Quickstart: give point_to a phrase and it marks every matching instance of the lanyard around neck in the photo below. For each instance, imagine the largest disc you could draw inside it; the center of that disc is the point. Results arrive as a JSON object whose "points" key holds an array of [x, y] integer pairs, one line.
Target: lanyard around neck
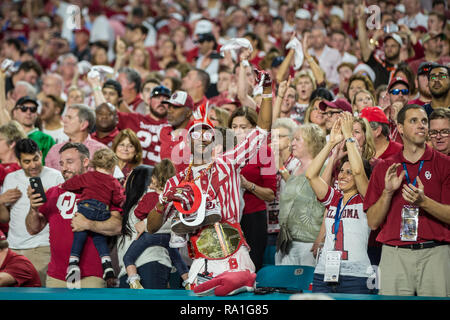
{"points": [[338, 215], [407, 175]]}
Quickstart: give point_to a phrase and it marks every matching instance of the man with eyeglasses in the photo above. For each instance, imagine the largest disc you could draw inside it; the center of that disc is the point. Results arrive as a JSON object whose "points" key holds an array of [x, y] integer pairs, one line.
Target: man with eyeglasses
{"points": [[25, 113], [440, 129], [332, 109], [216, 178], [439, 84], [422, 84]]}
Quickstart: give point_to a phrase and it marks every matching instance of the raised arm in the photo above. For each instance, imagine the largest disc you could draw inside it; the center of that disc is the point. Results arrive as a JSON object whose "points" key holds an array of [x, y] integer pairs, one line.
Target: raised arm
{"points": [[242, 84], [283, 70], [354, 157], [265, 112], [4, 114], [366, 49], [282, 88], [319, 185], [317, 71]]}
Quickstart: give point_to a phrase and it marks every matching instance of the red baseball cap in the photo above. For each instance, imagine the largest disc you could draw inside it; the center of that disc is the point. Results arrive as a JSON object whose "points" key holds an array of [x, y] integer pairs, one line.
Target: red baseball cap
{"points": [[374, 114], [342, 104], [398, 80], [181, 99], [2, 236]]}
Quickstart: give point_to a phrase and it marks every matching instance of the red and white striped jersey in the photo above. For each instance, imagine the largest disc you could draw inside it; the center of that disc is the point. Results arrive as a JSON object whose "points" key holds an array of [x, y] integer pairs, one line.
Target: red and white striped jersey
{"points": [[223, 181]]}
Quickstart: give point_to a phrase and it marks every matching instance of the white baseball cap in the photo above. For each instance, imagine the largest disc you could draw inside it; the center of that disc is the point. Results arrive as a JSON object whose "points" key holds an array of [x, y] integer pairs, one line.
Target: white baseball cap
{"points": [[181, 99], [400, 8], [336, 11], [394, 36], [203, 26], [303, 14]]}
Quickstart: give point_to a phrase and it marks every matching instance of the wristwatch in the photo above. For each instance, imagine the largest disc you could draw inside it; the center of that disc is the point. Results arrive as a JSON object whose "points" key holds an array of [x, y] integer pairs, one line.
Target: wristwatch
{"points": [[351, 139]]}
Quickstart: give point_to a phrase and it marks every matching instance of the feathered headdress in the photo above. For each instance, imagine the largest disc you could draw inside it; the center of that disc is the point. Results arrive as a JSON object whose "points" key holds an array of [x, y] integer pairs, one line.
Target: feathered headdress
{"points": [[201, 117]]}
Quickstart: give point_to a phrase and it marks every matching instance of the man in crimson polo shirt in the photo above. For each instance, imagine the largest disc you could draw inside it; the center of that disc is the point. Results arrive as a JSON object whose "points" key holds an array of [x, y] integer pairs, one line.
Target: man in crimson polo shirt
{"points": [[148, 127], [380, 128], [174, 145], [59, 211], [418, 265], [15, 269]]}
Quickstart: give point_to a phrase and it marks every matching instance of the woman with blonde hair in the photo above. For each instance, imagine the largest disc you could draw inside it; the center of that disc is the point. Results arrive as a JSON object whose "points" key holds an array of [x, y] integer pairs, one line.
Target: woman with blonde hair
{"points": [[362, 98], [305, 84], [300, 215], [218, 116], [140, 61], [313, 114]]}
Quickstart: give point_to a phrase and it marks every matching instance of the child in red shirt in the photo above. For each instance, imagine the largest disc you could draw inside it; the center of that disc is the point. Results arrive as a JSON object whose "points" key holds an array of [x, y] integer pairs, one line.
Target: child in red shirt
{"points": [[100, 193], [161, 173]]}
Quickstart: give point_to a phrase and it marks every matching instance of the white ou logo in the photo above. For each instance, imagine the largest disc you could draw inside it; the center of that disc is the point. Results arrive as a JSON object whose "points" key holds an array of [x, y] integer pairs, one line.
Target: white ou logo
{"points": [[65, 204], [428, 175]]}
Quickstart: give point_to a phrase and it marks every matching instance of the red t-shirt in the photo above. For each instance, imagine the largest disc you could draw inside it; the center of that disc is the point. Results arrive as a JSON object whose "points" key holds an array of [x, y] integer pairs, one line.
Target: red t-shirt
{"points": [[146, 204], [417, 101], [262, 172], [6, 168], [99, 186], [177, 149], [108, 140], [21, 269], [59, 210], [148, 131], [393, 148], [203, 100], [435, 176]]}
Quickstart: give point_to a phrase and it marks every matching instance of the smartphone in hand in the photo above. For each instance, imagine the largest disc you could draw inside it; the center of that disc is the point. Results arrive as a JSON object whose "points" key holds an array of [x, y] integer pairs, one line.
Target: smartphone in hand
{"points": [[38, 188]]}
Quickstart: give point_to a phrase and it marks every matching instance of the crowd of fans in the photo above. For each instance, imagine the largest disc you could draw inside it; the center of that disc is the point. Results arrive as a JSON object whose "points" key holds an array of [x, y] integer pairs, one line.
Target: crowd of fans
{"points": [[95, 96]]}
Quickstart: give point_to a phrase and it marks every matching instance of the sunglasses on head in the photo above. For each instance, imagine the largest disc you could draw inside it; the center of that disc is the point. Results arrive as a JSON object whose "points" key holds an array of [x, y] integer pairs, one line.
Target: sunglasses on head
{"points": [[208, 136], [25, 108], [397, 91]]}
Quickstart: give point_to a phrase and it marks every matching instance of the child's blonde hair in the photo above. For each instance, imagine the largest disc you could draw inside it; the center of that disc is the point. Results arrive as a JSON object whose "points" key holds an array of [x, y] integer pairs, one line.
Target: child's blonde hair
{"points": [[104, 159]]}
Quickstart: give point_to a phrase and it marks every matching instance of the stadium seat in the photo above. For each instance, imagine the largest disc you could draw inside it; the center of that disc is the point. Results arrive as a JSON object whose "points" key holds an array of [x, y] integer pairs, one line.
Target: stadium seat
{"points": [[292, 277]]}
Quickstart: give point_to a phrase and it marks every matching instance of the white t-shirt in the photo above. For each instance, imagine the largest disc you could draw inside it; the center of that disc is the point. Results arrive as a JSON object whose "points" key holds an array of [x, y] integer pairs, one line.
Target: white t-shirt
{"points": [[18, 236], [352, 236], [57, 134]]}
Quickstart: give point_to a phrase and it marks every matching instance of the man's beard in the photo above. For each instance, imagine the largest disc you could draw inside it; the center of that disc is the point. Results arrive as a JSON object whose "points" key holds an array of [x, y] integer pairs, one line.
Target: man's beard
{"points": [[159, 115], [424, 93], [439, 95], [393, 57]]}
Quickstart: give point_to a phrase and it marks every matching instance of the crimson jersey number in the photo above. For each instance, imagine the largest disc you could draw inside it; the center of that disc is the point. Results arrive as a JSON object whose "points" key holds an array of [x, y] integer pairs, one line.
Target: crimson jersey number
{"points": [[339, 243]]}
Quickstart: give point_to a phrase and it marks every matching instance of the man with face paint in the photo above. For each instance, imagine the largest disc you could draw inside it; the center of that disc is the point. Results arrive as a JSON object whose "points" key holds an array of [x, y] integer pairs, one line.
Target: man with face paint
{"points": [[216, 243]]}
